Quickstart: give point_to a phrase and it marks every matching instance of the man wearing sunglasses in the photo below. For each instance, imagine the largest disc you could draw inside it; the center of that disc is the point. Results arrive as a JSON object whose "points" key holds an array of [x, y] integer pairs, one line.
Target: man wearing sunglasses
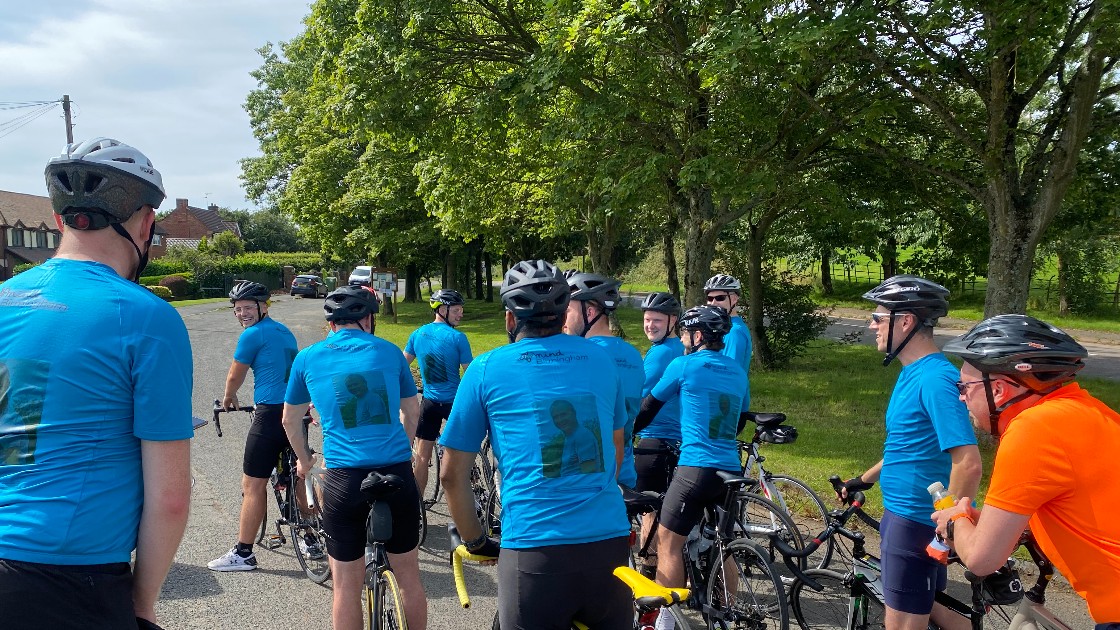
{"points": [[723, 291], [1055, 468], [929, 438]]}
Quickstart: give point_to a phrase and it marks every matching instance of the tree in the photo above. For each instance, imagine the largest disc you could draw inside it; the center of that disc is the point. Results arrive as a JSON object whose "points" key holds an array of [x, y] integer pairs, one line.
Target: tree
{"points": [[227, 244]]}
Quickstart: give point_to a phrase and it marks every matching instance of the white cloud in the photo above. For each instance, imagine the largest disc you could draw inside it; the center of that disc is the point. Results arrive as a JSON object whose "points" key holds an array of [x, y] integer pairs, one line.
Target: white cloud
{"points": [[167, 77]]}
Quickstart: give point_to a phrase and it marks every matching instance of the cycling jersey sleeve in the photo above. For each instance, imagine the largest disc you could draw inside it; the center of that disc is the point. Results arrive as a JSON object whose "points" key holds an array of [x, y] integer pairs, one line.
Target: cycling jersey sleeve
{"points": [[297, 393], [670, 383], [163, 377], [949, 415], [248, 345], [467, 424], [407, 383], [465, 356], [621, 416], [410, 345], [653, 369]]}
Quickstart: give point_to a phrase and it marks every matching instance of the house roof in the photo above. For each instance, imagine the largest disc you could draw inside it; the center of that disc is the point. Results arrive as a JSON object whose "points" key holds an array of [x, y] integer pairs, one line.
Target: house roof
{"points": [[31, 254], [32, 211], [191, 243]]}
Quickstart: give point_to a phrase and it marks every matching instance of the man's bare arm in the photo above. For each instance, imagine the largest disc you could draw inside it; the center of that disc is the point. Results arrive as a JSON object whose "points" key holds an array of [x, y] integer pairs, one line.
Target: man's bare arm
{"points": [[166, 469], [967, 469], [410, 415], [234, 380]]}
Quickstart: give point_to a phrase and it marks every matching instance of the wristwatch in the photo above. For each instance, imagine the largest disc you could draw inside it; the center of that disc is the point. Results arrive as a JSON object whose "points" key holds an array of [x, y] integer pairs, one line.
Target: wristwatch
{"points": [[950, 527]]}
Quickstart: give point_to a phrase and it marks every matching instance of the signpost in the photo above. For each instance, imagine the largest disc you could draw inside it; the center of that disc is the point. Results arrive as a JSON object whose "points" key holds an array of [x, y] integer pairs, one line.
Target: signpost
{"points": [[384, 282]]}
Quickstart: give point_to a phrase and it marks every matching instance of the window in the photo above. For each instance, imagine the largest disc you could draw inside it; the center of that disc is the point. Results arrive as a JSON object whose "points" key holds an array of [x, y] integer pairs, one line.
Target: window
{"points": [[52, 240], [15, 237], [29, 238], [40, 238], [157, 239]]}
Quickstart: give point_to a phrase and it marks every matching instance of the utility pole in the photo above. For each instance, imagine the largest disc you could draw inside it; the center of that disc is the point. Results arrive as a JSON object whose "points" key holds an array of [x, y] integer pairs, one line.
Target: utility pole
{"points": [[69, 124]]}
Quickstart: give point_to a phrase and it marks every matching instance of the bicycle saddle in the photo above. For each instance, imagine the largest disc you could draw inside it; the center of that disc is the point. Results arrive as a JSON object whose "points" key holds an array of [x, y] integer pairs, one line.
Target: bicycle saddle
{"points": [[378, 486], [732, 480], [765, 420], [640, 502]]}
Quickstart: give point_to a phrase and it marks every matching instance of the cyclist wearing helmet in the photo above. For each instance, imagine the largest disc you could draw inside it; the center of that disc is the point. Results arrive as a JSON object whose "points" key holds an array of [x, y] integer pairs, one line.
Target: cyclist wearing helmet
{"points": [[1055, 469], [929, 438], [564, 527], [268, 348], [594, 297], [710, 386], [442, 351], [723, 290], [94, 436], [366, 399]]}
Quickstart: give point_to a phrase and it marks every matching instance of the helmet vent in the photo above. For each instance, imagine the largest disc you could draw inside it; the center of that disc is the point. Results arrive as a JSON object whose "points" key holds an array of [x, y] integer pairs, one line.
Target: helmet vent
{"points": [[124, 159], [64, 179], [92, 182]]}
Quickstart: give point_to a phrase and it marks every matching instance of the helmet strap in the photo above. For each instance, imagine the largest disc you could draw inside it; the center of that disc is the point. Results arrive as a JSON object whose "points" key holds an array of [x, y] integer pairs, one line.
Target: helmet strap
{"points": [[891, 354], [994, 411], [142, 258], [512, 334], [588, 324]]}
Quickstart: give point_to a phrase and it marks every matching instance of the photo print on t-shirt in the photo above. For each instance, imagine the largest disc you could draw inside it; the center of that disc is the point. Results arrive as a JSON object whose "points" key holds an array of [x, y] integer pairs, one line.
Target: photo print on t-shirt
{"points": [[362, 399], [570, 436], [435, 368], [723, 414], [23, 384]]}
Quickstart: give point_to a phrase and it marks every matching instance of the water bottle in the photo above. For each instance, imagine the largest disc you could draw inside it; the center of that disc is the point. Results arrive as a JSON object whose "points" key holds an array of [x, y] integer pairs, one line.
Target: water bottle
{"points": [[942, 498]]}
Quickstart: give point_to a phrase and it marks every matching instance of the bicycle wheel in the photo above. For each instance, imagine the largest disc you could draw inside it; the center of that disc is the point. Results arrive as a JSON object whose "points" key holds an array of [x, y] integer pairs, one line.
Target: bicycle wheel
{"points": [[743, 591], [493, 517], [423, 524], [833, 607], [384, 606], [307, 535], [807, 511], [434, 492], [759, 518]]}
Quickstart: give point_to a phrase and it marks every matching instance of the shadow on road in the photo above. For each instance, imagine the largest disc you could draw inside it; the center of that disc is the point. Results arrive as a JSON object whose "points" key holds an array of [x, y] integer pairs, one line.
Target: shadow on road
{"points": [[186, 581]]}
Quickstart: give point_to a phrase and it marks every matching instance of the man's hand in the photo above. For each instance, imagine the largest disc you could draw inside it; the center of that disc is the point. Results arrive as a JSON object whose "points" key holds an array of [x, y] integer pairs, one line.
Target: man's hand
{"points": [[229, 402], [488, 548], [853, 485], [942, 517]]}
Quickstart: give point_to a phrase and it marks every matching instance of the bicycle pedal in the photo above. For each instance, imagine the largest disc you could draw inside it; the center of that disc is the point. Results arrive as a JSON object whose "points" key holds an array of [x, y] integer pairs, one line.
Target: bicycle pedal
{"points": [[275, 542]]}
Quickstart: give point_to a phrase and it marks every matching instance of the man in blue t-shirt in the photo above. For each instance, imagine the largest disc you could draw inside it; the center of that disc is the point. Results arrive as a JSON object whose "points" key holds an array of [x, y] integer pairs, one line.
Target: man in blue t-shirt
{"points": [[555, 412], [723, 291], [929, 438], [594, 298], [267, 347], [709, 385], [442, 352], [360, 385], [95, 408]]}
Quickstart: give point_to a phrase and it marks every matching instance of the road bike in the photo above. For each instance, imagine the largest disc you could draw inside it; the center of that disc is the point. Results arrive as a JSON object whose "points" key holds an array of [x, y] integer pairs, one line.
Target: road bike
{"points": [[382, 595], [853, 600], [297, 503], [805, 508]]}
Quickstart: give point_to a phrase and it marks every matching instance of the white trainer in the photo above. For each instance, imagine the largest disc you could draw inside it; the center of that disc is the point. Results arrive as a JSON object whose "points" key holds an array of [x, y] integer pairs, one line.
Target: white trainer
{"points": [[231, 561]]}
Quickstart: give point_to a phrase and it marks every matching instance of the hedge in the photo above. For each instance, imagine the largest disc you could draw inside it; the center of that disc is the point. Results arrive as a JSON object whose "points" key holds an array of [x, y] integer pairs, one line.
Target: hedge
{"points": [[162, 292]]}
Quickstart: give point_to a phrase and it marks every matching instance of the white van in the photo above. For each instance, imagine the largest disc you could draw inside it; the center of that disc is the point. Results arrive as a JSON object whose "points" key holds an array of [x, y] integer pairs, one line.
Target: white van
{"points": [[361, 275]]}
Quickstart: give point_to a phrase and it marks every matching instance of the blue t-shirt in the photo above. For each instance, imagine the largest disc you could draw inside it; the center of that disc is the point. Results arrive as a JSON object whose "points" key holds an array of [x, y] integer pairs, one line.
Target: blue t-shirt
{"points": [[629, 363], [539, 398], [737, 344], [709, 385], [666, 425], [356, 381], [440, 350], [90, 365], [269, 348], [925, 418]]}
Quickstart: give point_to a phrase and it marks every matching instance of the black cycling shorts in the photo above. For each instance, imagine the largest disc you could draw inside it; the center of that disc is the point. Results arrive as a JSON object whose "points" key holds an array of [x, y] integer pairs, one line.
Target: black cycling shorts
{"points": [[432, 415], [691, 490], [653, 471], [345, 511], [265, 442], [546, 588], [80, 597]]}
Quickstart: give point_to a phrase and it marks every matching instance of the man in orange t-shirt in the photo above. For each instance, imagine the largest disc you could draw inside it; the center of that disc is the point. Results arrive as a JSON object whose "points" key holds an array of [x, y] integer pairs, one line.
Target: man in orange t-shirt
{"points": [[1056, 464]]}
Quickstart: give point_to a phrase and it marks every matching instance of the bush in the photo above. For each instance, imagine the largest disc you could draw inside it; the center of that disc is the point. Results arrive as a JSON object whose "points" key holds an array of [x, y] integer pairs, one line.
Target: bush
{"points": [[22, 267], [162, 292], [178, 285], [792, 320], [165, 266]]}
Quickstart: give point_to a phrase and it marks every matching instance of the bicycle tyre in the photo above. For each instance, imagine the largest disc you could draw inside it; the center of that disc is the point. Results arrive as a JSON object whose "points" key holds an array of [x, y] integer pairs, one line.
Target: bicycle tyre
{"points": [[308, 537], [434, 492], [384, 606], [808, 512], [760, 517], [423, 524], [831, 607], [493, 517], [759, 598]]}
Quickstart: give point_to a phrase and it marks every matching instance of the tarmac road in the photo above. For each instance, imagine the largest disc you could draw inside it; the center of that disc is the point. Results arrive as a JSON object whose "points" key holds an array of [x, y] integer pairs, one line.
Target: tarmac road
{"points": [[277, 594]]}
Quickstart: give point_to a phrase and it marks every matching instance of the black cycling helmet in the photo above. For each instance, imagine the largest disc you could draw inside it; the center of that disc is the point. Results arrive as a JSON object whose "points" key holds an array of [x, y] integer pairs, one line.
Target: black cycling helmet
{"points": [[568, 273], [101, 183], [593, 287], [723, 282], [445, 298], [1028, 351], [662, 303], [249, 290], [713, 322], [909, 294], [534, 289], [350, 304]]}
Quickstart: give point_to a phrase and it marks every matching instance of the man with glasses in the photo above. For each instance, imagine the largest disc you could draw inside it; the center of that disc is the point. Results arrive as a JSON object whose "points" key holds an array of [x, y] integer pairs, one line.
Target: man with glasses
{"points": [[1055, 469], [723, 291], [929, 438]]}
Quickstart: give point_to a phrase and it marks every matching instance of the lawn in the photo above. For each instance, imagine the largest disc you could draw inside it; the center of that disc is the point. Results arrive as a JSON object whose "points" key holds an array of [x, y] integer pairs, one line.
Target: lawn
{"points": [[835, 395]]}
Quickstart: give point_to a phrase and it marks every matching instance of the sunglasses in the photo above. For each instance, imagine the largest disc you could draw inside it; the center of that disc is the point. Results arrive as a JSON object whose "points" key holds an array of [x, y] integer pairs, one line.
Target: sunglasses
{"points": [[717, 298], [879, 317], [962, 386]]}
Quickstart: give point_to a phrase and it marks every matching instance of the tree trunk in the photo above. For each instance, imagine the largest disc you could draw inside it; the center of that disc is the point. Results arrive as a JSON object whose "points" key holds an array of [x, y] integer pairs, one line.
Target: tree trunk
{"points": [[700, 247], [756, 295], [1063, 299], [826, 271], [450, 281], [890, 257], [1014, 238], [489, 277], [478, 272], [411, 283], [669, 243]]}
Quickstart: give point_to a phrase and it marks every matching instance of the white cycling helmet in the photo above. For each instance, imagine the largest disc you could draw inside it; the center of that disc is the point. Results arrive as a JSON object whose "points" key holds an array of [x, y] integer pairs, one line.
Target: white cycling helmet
{"points": [[100, 182]]}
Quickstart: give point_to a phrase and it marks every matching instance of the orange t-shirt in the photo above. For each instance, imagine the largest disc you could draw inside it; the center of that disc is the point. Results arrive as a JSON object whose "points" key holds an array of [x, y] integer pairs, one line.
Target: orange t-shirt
{"points": [[1059, 461]]}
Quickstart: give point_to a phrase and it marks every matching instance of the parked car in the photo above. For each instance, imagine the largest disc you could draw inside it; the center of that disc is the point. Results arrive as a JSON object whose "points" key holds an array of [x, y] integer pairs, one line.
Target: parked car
{"points": [[309, 285], [361, 276]]}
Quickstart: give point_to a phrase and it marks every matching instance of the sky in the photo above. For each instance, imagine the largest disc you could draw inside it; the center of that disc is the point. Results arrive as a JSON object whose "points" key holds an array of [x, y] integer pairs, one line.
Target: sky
{"points": [[168, 77]]}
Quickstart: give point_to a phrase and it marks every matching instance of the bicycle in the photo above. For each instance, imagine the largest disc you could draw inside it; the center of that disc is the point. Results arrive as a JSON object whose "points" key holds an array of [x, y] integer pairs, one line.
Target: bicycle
{"points": [[297, 511], [793, 496], [820, 598], [484, 486], [649, 597], [382, 594]]}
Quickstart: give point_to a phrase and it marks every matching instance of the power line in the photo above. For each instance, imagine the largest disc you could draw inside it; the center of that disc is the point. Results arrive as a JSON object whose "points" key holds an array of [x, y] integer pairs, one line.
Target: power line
{"points": [[9, 127], [19, 104]]}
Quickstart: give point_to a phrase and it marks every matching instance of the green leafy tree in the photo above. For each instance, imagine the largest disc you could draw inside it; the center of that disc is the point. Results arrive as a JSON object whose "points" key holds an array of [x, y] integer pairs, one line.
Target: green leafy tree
{"points": [[227, 244]]}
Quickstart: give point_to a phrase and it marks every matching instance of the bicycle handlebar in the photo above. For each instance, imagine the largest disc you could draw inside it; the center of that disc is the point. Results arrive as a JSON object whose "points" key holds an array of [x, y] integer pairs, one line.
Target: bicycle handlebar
{"points": [[218, 409], [459, 552]]}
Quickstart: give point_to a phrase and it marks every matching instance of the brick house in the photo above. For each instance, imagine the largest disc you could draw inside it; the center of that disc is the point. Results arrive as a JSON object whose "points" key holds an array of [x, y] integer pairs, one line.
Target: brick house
{"points": [[29, 233], [186, 225]]}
